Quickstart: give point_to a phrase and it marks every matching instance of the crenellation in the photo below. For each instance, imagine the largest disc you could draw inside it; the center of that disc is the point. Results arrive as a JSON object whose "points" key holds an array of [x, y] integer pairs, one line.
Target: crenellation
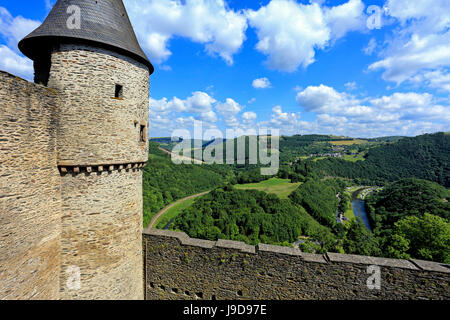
{"points": [[357, 259], [431, 266], [278, 249], [77, 169], [225, 271], [312, 257], [230, 244], [198, 243]]}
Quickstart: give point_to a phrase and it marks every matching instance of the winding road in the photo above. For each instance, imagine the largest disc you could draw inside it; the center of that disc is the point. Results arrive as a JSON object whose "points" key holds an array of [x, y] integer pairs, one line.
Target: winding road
{"points": [[164, 210], [182, 158]]}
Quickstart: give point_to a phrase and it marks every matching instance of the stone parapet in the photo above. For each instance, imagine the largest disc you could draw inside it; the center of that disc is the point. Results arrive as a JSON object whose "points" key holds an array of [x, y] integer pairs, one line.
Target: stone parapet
{"points": [[179, 267]]}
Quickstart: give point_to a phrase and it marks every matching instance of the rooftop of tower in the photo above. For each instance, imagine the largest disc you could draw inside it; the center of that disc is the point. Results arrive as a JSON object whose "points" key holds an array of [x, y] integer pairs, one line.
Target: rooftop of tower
{"points": [[104, 23]]}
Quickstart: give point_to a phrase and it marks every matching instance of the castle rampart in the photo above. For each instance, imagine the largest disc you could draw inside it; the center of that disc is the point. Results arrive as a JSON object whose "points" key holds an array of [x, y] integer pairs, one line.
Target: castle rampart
{"points": [[29, 191], [72, 153], [179, 267]]}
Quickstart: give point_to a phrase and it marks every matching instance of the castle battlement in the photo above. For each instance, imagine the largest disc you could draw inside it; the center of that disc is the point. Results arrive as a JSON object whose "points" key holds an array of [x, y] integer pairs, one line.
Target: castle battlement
{"points": [[73, 145], [179, 267]]}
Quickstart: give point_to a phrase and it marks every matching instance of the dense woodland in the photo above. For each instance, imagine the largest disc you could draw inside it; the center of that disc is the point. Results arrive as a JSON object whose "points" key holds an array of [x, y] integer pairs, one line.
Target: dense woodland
{"points": [[425, 157], [409, 216], [250, 216], [297, 145], [165, 182]]}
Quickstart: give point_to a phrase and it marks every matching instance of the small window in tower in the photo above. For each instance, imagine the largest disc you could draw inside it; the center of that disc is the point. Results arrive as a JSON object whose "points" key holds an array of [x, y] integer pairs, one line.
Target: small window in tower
{"points": [[142, 133], [119, 91]]}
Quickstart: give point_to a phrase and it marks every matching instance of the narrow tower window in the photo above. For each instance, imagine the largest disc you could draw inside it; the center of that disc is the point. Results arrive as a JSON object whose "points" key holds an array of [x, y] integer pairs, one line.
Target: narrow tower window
{"points": [[119, 91], [142, 133]]}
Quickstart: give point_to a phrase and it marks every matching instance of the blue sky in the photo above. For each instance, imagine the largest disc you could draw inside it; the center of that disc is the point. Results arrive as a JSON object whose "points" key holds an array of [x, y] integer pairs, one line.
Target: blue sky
{"points": [[297, 66]]}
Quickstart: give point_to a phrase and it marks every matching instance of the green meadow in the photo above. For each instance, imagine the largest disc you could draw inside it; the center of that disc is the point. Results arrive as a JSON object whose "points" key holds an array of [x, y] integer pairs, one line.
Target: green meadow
{"points": [[281, 187], [172, 213]]}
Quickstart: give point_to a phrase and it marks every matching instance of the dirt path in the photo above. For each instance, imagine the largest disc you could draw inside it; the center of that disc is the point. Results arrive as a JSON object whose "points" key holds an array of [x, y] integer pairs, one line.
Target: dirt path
{"points": [[160, 213], [196, 161]]}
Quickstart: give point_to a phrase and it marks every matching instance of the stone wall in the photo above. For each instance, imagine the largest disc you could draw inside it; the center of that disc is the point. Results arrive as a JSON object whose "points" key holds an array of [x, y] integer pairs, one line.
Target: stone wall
{"points": [[100, 155], [95, 127], [178, 267], [101, 150], [102, 234], [29, 191]]}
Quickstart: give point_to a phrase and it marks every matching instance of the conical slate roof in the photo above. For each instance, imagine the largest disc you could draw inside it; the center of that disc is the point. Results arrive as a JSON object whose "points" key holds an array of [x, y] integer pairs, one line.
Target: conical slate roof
{"points": [[104, 23]]}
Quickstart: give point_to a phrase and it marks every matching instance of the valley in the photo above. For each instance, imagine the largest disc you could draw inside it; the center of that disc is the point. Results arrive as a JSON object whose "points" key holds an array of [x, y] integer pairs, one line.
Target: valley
{"points": [[329, 195]]}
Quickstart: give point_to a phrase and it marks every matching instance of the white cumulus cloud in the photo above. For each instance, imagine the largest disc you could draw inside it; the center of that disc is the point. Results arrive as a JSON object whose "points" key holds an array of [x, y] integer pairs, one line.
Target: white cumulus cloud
{"points": [[12, 30], [199, 103], [280, 118], [345, 18], [249, 116], [395, 110], [209, 22], [420, 46], [229, 107], [324, 99], [289, 33], [14, 63], [261, 83]]}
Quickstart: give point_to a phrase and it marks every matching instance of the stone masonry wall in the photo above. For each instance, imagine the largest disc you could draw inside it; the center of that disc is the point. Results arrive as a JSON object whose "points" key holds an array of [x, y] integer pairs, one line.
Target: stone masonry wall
{"points": [[100, 155], [178, 267], [94, 126], [30, 217], [102, 234]]}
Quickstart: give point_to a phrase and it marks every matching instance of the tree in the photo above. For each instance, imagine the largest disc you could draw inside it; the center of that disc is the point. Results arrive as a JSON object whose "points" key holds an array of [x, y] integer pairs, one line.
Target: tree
{"points": [[251, 216], [426, 237], [359, 240]]}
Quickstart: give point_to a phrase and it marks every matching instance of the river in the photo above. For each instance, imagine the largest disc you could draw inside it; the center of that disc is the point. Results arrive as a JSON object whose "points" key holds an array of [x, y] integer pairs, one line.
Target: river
{"points": [[360, 211]]}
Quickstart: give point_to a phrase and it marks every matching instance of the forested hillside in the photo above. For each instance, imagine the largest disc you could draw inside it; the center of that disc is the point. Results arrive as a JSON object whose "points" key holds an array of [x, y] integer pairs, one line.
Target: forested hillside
{"points": [[412, 219], [250, 216], [293, 147], [425, 157], [319, 199], [407, 197], [409, 216], [165, 182]]}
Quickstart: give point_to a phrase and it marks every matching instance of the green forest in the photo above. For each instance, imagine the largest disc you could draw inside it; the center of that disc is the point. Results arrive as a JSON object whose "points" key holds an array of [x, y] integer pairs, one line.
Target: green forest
{"points": [[411, 219], [165, 182], [250, 216], [425, 157], [407, 205]]}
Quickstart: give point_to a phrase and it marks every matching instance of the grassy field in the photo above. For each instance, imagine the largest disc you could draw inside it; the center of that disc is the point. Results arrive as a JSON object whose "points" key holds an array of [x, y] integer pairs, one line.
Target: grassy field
{"points": [[348, 142], [353, 158], [318, 158], [349, 213], [281, 187], [172, 213]]}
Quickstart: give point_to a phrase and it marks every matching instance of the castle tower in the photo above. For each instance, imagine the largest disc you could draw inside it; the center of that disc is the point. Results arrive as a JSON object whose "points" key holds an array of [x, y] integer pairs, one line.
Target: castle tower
{"points": [[87, 51]]}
